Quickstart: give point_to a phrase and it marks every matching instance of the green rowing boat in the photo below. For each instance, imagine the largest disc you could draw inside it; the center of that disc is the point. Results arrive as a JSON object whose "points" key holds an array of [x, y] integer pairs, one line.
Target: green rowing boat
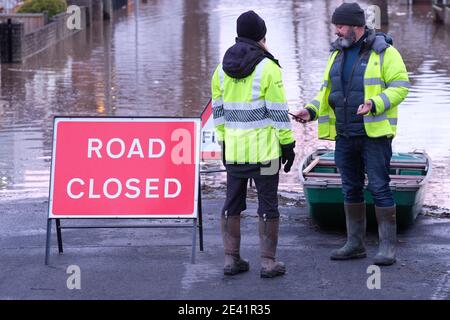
{"points": [[322, 187]]}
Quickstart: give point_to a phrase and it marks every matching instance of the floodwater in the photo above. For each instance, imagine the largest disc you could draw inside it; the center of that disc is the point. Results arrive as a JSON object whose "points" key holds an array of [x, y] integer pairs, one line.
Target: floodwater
{"points": [[159, 63]]}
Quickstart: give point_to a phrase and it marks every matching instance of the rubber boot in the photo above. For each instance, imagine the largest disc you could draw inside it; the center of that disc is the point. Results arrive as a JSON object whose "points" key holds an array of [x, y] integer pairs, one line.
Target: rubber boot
{"points": [[268, 239], [231, 233], [387, 232], [355, 218]]}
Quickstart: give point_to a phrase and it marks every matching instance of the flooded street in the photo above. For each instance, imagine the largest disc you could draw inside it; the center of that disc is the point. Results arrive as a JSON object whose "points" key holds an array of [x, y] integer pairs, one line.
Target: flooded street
{"points": [[160, 62]]}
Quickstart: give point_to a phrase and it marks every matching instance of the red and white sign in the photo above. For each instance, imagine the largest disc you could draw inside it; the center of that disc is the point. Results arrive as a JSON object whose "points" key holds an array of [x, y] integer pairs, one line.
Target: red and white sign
{"points": [[125, 167], [211, 150]]}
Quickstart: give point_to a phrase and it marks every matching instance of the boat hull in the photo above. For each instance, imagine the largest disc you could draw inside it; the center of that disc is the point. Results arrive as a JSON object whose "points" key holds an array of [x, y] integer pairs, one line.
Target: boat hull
{"points": [[325, 200]]}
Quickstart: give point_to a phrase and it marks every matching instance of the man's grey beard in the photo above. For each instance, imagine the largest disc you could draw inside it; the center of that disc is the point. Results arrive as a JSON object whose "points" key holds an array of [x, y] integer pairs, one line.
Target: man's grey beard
{"points": [[347, 42]]}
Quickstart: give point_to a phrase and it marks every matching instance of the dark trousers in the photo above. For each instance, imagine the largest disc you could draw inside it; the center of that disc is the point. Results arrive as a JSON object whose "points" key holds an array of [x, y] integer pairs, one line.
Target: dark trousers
{"points": [[355, 156], [267, 188]]}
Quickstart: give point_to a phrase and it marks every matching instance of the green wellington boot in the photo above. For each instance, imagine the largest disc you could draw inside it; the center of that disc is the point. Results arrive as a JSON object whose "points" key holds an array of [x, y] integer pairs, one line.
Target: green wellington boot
{"points": [[355, 218], [387, 232]]}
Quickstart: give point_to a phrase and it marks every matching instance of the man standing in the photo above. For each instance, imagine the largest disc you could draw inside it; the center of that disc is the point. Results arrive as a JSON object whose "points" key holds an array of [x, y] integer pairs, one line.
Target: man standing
{"points": [[364, 82], [252, 124]]}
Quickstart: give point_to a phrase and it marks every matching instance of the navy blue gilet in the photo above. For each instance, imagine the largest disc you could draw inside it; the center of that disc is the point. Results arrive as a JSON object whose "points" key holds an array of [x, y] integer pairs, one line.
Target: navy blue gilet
{"points": [[347, 88]]}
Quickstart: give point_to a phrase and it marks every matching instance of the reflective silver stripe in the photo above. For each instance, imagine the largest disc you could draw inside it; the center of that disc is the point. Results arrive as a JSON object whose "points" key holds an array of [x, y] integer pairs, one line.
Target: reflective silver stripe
{"points": [[324, 119], [254, 111], [399, 83], [246, 115], [324, 85], [221, 77], [218, 112], [276, 105], [279, 116], [315, 103], [255, 105], [282, 125], [217, 109], [217, 103], [256, 85], [256, 124], [382, 117], [387, 103], [374, 82], [244, 105], [219, 121], [370, 118], [278, 112], [248, 125]]}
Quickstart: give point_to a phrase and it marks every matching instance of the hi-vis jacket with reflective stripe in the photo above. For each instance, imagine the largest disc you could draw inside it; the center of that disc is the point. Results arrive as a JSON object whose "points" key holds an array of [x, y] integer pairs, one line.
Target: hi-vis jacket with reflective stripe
{"points": [[385, 82], [251, 114]]}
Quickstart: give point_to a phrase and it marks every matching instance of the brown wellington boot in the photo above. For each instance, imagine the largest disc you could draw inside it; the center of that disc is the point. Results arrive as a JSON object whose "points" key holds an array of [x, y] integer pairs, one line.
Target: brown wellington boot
{"points": [[231, 233], [355, 218], [268, 238], [387, 233]]}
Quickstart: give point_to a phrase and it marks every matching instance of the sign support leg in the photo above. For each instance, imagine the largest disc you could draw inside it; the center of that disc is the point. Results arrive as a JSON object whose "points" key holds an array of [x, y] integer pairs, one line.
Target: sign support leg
{"points": [[47, 245], [194, 240], [200, 216], [59, 236]]}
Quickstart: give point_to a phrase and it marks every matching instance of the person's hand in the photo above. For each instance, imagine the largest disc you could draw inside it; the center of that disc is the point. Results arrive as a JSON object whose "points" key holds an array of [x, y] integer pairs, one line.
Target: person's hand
{"points": [[301, 115], [287, 156], [365, 108]]}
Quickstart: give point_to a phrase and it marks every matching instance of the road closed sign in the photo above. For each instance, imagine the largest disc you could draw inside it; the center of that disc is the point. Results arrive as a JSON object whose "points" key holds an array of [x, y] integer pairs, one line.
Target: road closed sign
{"points": [[125, 167]]}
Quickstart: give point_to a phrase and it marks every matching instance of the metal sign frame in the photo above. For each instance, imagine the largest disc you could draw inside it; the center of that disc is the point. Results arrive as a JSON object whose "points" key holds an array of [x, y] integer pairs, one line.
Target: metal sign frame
{"points": [[196, 217]]}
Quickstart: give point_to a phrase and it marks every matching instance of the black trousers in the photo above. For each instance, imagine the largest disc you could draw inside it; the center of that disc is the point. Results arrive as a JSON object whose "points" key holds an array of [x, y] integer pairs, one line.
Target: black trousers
{"points": [[267, 189]]}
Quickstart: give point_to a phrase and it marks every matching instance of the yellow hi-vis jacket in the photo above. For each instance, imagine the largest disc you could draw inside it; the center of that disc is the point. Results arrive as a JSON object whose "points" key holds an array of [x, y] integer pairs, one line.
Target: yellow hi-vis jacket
{"points": [[251, 114], [385, 82]]}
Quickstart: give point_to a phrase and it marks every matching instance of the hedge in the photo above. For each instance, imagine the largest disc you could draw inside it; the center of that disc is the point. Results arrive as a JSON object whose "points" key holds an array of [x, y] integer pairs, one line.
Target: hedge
{"points": [[53, 7]]}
